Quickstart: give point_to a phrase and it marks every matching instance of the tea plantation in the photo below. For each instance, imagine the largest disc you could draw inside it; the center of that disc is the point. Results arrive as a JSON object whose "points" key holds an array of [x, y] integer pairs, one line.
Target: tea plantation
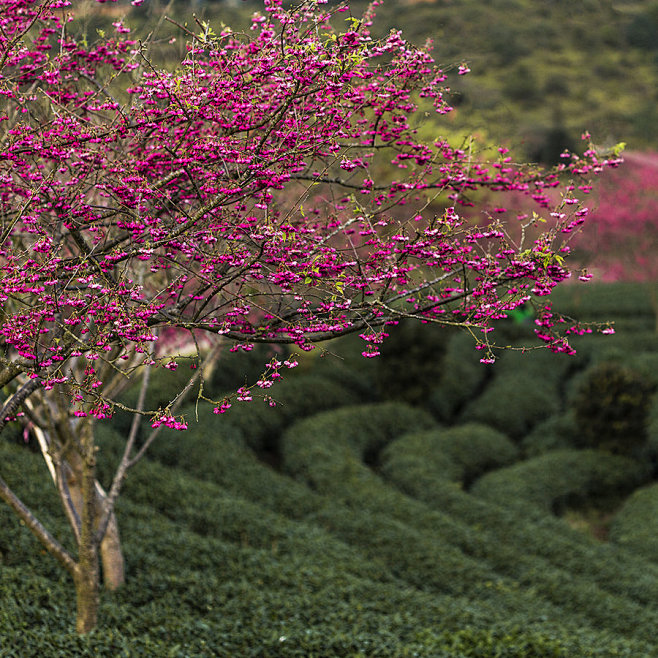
{"points": [[420, 504]]}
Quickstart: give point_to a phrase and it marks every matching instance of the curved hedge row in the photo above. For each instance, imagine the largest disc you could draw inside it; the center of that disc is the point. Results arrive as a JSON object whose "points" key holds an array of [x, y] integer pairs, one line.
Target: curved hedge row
{"points": [[634, 525], [323, 453], [516, 545], [513, 404], [555, 479], [460, 453]]}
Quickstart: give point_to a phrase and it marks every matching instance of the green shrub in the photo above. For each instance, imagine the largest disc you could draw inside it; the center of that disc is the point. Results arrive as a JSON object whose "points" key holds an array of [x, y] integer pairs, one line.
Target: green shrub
{"points": [[554, 433], [407, 368], [563, 477], [525, 389], [627, 346], [634, 525], [216, 452], [411, 358], [644, 363], [652, 432], [460, 453], [611, 408], [513, 404], [297, 396], [461, 377], [363, 429], [642, 31], [547, 367]]}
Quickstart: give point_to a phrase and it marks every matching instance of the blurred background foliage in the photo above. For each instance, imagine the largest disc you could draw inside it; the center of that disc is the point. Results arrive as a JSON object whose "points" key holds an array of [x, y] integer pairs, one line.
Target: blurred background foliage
{"points": [[542, 71]]}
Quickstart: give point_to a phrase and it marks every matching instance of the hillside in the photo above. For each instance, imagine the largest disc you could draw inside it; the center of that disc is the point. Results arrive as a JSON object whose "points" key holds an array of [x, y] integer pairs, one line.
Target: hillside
{"points": [[542, 72], [443, 508]]}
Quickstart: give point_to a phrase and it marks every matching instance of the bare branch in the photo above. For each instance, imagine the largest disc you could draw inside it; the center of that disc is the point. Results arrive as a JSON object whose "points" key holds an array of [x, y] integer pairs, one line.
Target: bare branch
{"points": [[37, 528], [11, 406]]}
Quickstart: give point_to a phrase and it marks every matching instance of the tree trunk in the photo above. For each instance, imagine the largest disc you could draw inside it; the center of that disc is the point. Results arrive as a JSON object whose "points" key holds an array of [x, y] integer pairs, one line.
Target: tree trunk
{"points": [[72, 470], [87, 588], [112, 556], [110, 548], [87, 576]]}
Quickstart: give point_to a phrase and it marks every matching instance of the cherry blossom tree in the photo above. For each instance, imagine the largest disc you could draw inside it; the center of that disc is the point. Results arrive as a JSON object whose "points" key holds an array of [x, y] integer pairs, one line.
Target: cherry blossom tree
{"points": [[232, 196]]}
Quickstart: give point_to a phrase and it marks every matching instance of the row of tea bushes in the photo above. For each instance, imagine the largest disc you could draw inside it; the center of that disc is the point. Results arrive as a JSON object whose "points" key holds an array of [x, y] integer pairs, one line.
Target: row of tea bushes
{"points": [[516, 542], [634, 525], [211, 574], [560, 477], [326, 452], [460, 453]]}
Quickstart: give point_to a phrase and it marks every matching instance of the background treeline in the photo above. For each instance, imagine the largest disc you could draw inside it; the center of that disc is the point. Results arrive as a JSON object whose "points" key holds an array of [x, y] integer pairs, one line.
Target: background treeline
{"points": [[542, 72], [420, 504]]}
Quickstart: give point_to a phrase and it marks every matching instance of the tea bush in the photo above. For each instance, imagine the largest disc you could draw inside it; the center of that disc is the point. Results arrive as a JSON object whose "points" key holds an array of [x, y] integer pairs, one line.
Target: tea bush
{"points": [[611, 408], [634, 525], [460, 453], [556, 478], [556, 432], [462, 376], [513, 404], [411, 359]]}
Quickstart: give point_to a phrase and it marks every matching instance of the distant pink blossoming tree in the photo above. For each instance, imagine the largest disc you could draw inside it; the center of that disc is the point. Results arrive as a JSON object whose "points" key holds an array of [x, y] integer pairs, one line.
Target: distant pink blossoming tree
{"points": [[232, 196], [621, 237]]}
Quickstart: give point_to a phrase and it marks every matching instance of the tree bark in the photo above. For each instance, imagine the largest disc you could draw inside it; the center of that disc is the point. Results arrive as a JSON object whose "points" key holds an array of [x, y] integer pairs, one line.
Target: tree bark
{"points": [[87, 576], [111, 554], [87, 588], [70, 489]]}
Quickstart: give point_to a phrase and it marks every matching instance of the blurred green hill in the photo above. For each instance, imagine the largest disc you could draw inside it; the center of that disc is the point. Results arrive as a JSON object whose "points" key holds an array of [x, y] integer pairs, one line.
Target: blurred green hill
{"points": [[542, 71]]}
